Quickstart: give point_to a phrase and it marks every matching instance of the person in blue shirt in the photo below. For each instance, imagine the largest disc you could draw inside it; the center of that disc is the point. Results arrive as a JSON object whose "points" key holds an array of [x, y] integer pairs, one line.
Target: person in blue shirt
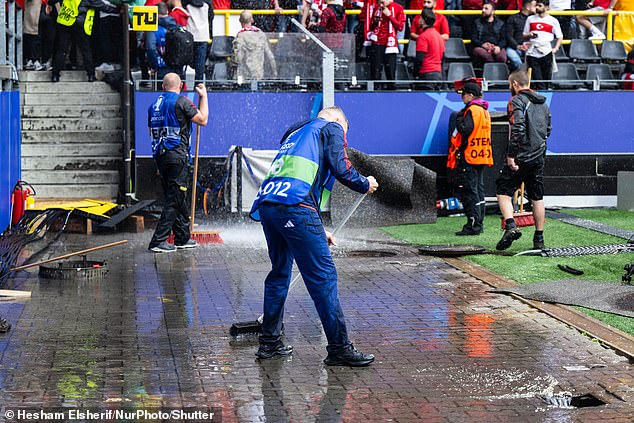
{"points": [[170, 120], [311, 156], [155, 43]]}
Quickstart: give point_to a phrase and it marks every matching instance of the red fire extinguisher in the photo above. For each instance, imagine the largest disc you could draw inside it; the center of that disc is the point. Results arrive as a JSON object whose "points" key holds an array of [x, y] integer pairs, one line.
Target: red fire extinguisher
{"points": [[21, 200]]}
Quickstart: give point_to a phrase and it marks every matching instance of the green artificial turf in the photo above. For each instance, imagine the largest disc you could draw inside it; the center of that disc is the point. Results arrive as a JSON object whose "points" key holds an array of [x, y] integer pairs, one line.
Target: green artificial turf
{"points": [[528, 269]]}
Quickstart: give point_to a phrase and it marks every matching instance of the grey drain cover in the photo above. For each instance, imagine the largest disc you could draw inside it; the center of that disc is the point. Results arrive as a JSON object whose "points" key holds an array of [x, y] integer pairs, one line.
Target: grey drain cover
{"points": [[74, 269]]}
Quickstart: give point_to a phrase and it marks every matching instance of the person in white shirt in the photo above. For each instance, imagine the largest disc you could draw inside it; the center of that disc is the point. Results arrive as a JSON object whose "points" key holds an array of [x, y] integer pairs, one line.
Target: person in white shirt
{"points": [[540, 30]]}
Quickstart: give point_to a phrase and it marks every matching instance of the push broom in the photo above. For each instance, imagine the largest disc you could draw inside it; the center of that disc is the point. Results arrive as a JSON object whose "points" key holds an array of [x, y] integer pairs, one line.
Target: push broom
{"points": [[203, 237], [254, 327]]}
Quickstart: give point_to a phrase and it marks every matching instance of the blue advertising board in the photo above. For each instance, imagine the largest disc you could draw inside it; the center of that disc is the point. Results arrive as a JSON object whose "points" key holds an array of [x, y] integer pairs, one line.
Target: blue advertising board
{"points": [[400, 123], [9, 152]]}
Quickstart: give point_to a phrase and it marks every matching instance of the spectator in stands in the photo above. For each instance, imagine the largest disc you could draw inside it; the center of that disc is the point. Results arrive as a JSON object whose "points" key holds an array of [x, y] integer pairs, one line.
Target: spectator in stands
{"points": [[421, 4], [387, 21], [109, 39], [283, 22], [48, 18], [430, 48], [470, 153], [155, 43], [364, 32], [201, 16], [515, 46], [333, 19], [441, 25], [541, 29], [592, 23], [30, 31], [565, 22], [489, 41], [311, 11], [74, 22], [251, 51], [628, 72], [466, 21], [508, 5], [178, 12]]}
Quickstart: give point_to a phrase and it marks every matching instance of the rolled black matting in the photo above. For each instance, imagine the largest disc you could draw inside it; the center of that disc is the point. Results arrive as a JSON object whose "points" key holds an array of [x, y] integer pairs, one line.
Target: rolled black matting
{"points": [[406, 194], [611, 297]]}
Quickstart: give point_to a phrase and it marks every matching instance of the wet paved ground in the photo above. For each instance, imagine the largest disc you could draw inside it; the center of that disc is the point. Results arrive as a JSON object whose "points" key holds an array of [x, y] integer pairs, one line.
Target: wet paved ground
{"points": [[154, 333]]}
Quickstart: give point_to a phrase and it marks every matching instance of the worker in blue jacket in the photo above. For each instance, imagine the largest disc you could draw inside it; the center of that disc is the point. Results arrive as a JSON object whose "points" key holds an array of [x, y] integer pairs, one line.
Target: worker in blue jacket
{"points": [[312, 154]]}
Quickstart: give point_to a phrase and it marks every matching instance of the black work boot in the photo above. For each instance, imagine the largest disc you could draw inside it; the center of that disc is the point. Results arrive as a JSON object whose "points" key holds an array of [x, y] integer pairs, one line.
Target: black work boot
{"points": [[538, 243], [510, 234], [349, 356], [271, 350]]}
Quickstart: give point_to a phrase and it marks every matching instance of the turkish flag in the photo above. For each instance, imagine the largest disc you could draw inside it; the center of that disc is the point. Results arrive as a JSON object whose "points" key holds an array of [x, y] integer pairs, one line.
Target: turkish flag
{"points": [[541, 26]]}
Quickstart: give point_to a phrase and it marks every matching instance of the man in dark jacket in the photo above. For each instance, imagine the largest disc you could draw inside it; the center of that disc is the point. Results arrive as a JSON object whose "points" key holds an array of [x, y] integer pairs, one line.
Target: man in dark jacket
{"points": [[529, 117], [155, 43], [74, 22], [515, 46], [488, 40]]}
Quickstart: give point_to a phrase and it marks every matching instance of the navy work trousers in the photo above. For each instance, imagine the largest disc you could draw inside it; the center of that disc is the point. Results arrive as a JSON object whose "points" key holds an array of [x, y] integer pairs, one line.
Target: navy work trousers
{"points": [[295, 232]]}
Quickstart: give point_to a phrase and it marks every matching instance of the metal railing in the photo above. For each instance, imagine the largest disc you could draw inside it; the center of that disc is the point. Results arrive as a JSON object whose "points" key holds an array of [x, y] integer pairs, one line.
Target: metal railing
{"points": [[609, 28], [10, 43]]}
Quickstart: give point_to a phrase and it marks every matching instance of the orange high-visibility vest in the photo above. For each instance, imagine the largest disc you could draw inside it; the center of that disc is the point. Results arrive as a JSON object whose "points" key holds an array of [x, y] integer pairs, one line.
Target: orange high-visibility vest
{"points": [[478, 150]]}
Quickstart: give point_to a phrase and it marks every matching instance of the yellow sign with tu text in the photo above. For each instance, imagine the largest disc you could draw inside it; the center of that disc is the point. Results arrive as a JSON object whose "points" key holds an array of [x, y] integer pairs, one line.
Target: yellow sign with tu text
{"points": [[145, 18]]}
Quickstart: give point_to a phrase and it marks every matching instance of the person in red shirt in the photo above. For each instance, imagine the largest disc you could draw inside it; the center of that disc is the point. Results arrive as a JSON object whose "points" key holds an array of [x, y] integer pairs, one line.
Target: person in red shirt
{"points": [[595, 25], [333, 19], [420, 4], [387, 21], [441, 25], [177, 12], [628, 72], [430, 48]]}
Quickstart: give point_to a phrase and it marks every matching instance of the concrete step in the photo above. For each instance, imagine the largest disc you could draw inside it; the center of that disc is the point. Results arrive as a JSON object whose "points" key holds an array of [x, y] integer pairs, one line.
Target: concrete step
{"points": [[69, 177], [74, 124], [92, 191], [105, 150], [35, 163], [46, 111], [67, 137], [85, 88], [45, 76], [62, 99]]}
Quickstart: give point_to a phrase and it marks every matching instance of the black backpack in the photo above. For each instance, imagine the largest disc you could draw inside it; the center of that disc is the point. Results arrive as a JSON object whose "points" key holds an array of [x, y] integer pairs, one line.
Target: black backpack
{"points": [[179, 47]]}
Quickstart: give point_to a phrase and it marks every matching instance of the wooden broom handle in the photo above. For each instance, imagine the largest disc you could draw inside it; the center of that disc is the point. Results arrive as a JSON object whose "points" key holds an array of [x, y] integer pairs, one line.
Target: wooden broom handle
{"points": [[89, 250], [193, 204]]}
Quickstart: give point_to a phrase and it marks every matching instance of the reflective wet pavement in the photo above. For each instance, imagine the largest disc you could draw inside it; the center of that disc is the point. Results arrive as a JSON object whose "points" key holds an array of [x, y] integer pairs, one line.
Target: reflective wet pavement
{"points": [[154, 332]]}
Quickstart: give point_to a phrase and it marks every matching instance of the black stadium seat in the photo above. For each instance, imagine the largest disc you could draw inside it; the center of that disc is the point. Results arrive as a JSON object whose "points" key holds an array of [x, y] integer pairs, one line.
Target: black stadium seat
{"points": [[566, 77], [613, 51], [458, 71], [583, 50], [455, 51], [601, 72], [221, 47], [496, 74]]}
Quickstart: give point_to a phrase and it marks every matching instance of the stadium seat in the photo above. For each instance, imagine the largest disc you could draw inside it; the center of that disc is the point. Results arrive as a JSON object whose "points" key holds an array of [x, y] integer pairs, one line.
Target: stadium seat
{"points": [[457, 71], [613, 51], [496, 74], [410, 52], [601, 72], [560, 56], [455, 51], [221, 47], [583, 50], [566, 77], [362, 71], [221, 71]]}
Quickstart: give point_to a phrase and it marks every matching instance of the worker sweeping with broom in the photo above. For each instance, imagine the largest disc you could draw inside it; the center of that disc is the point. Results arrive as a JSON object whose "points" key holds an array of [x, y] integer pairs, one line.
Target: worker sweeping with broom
{"points": [[312, 154], [530, 126]]}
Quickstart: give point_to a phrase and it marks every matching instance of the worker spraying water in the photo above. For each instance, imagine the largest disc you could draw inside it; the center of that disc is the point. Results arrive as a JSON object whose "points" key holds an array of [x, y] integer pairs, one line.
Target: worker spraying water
{"points": [[312, 154]]}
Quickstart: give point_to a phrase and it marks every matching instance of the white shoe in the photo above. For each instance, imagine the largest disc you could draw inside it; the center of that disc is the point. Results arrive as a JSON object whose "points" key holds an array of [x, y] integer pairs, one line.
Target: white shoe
{"points": [[105, 67], [46, 66], [29, 65], [599, 36], [37, 66]]}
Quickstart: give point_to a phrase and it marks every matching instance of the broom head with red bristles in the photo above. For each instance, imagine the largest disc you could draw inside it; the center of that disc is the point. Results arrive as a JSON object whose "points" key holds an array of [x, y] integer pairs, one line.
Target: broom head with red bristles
{"points": [[206, 237]]}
